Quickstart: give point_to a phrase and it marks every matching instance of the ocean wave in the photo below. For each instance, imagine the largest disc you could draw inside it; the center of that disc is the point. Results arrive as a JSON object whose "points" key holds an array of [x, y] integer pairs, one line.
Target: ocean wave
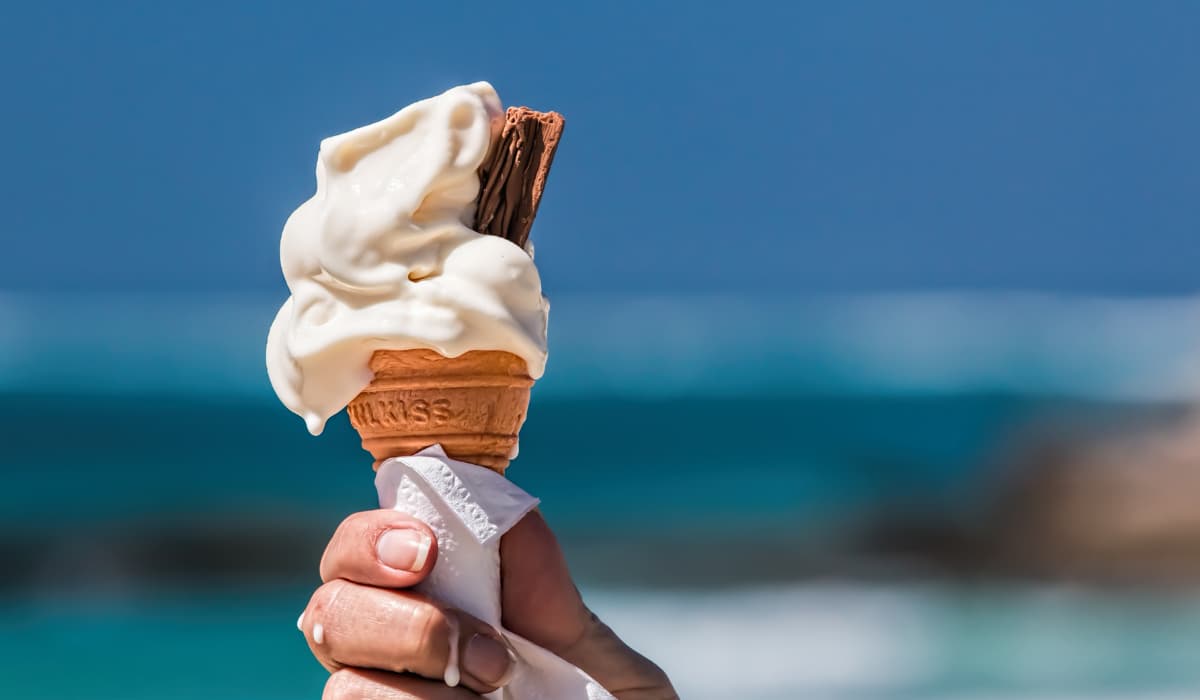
{"points": [[1137, 348], [837, 640], [831, 641]]}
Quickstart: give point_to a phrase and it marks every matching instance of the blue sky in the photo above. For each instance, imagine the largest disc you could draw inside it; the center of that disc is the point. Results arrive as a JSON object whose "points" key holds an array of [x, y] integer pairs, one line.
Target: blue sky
{"points": [[787, 146]]}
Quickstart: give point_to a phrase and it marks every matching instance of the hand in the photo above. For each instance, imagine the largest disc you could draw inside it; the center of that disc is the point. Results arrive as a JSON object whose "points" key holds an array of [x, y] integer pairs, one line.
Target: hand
{"points": [[382, 642]]}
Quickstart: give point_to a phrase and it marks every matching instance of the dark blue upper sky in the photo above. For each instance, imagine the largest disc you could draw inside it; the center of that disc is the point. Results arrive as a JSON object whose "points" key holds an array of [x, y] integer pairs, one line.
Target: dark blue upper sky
{"points": [[793, 146]]}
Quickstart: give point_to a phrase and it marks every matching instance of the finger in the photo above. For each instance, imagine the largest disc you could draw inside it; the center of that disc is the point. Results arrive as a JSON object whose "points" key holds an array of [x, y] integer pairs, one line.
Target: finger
{"points": [[540, 601], [347, 624], [380, 548], [359, 684]]}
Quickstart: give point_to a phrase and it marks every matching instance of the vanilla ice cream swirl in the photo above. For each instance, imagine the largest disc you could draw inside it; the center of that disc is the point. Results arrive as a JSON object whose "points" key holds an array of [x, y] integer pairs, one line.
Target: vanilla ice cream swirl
{"points": [[383, 257]]}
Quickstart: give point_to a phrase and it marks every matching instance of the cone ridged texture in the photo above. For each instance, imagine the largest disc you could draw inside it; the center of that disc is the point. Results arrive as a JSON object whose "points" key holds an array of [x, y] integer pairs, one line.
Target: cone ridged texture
{"points": [[473, 405]]}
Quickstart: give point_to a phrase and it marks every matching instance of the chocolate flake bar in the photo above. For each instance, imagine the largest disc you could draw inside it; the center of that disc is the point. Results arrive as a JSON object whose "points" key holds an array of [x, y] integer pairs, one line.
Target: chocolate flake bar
{"points": [[513, 177]]}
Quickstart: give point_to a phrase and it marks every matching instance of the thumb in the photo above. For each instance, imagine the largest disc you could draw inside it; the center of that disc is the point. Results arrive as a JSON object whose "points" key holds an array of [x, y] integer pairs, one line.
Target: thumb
{"points": [[540, 603], [539, 598]]}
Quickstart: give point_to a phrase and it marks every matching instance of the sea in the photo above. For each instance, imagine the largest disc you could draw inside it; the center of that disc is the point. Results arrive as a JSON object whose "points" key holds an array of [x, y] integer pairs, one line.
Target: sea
{"points": [[710, 463]]}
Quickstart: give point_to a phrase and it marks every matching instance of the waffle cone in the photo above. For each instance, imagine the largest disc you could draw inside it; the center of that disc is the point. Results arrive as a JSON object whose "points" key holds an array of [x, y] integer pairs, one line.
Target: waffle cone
{"points": [[472, 405]]}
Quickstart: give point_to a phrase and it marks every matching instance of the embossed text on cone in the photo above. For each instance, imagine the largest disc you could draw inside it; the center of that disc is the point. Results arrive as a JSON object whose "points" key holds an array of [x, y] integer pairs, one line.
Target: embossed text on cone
{"points": [[472, 405]]}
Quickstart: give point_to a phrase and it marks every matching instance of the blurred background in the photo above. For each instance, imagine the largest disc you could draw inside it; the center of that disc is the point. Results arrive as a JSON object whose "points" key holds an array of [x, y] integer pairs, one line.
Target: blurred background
{"points": [[878, 322]]}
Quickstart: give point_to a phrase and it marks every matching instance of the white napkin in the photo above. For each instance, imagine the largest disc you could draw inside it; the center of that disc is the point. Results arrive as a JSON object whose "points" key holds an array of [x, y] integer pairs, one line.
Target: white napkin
{"points": [[469, 508]]}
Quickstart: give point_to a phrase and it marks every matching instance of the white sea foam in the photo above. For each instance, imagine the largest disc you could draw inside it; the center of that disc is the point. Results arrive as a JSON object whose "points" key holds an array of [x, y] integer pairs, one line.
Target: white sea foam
{"points": [[665, 346], [776, 643], [832, 641]]}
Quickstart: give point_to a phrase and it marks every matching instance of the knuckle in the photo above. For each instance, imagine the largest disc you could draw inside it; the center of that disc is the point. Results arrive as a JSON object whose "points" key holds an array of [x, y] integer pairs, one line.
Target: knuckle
{"points": [[325, 567], [353, 543], [427, 629], [353, 528], [332, 553], [342, 685], [361, 521], [323, 598]]}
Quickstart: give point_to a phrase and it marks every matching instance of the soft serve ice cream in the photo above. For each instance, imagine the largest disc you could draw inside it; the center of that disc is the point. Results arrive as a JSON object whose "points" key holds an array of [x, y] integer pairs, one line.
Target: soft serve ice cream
{"points": [[432, 333], [383, 257]]}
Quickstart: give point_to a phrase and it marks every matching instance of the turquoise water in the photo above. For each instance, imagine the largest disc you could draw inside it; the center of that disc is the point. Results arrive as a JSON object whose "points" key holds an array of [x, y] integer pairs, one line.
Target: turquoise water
{"points": [[161, 515], [812, 641], [134, 455]]}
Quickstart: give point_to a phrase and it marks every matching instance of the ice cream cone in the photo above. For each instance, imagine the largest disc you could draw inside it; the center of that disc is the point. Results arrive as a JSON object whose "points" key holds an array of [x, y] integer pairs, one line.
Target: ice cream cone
{"points": [[472, 405]]}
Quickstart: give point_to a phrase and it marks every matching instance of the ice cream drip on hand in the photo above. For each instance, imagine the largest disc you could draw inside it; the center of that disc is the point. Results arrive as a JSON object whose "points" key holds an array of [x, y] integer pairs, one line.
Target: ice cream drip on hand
{"points": [[383, 257]]}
